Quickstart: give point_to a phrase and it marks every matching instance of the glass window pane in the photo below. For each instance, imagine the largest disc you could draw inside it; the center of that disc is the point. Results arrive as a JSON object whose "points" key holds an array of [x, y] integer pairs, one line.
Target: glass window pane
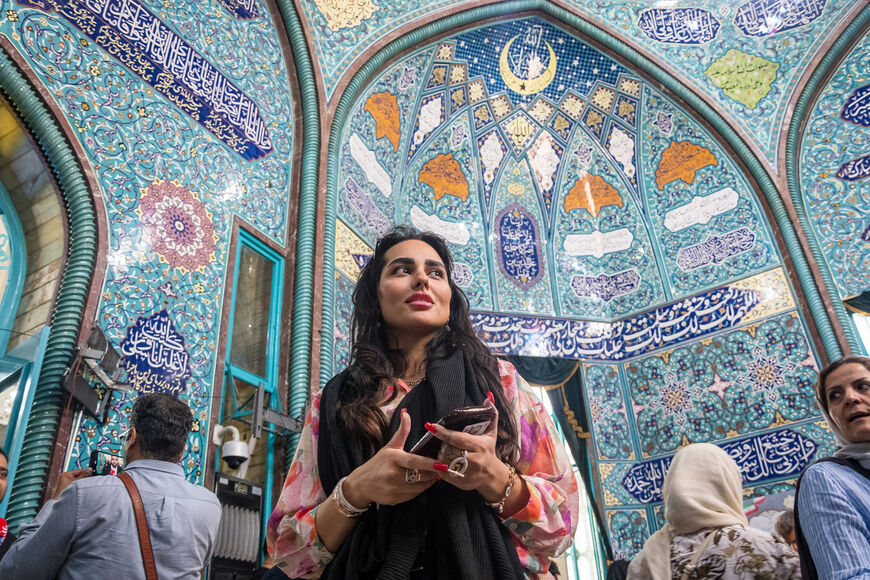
{"points": [[251, 319], [239, 402], [5, 255]]}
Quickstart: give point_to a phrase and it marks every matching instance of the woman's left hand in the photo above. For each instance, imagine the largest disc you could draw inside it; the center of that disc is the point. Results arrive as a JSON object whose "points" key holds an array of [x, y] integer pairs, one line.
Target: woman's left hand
{"points": [[486, 473]]}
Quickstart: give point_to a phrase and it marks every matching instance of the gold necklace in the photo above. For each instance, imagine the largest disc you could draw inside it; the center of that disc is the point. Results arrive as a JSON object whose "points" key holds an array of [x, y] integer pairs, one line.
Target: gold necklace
{"points": [[412, 384]]}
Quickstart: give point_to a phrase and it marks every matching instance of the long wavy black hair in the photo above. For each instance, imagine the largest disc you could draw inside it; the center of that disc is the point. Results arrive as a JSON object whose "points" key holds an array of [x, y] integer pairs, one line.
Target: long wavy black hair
{"points": [[375, 363]]}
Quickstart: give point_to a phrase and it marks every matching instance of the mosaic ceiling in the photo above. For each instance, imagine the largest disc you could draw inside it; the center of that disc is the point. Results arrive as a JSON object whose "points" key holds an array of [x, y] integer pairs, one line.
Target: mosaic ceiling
{"points": [[590, 218], [747, 56]]}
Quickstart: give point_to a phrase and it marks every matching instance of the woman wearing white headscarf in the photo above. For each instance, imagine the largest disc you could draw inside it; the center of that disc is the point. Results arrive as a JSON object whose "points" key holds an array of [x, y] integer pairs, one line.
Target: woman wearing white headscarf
{"points": [[833, 503], [707, 534]]}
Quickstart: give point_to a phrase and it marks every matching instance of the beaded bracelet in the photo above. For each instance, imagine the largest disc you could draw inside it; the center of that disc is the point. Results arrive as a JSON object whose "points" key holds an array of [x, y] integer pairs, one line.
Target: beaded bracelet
{"points": [[343, 506], [499, 505]]}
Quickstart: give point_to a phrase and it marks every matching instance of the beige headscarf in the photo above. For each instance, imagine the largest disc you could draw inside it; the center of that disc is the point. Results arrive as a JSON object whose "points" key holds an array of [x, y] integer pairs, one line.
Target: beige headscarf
{"points": [[702, 489]]}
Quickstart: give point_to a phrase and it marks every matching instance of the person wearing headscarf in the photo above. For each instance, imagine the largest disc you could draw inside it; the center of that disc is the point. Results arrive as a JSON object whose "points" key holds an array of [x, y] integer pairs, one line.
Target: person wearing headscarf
{"points": [[833, 503], [356, 504], [707, 534]]}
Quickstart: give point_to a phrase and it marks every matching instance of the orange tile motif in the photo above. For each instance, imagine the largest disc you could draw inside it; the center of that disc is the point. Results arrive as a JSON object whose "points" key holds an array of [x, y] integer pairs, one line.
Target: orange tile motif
{"points": [[384, 108], [591, 193], [680, 161], [444, 175]]}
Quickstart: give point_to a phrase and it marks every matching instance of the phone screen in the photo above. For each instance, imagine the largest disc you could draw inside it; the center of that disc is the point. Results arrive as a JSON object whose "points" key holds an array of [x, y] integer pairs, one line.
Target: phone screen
{"points": [[106, 462]]}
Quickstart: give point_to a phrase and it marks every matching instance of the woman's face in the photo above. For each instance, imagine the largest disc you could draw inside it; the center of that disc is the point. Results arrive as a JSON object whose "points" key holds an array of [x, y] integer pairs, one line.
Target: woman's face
{"points": [[413, 293], [847, 390]]}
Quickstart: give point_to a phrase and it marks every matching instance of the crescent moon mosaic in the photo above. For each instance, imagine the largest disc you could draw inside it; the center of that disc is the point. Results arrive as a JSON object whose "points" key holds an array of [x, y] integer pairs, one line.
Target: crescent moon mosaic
{"points": [[532, 85]]}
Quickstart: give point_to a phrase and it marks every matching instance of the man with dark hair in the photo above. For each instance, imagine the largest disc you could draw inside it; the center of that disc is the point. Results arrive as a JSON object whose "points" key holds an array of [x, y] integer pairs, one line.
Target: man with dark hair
{"points": [[785, 528], [88, 529]]}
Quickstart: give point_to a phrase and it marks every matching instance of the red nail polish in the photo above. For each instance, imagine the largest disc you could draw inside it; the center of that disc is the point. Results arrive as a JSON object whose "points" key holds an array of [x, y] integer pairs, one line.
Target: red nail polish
{"points": [[430, 427], [491, 398], [404, 411], [439, 467]]}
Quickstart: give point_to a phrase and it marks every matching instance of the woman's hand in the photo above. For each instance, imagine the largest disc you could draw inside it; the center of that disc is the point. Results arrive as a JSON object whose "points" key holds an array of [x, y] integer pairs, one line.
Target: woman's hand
{"points": [[381, 479], [486, 473]]}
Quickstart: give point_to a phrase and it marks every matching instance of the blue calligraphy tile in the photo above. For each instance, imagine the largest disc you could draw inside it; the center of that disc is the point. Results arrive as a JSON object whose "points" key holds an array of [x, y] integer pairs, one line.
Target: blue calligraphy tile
{"points": [[857, 107], [241, 9], [171, 66], [155, 358], [855, 169], [765, 17], [679, 25], [773, 455], [519, 245]]}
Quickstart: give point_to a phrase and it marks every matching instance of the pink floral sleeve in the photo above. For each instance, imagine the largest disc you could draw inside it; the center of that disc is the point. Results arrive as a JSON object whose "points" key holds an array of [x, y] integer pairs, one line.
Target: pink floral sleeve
{"points": [[545, 526], [290, 532]]}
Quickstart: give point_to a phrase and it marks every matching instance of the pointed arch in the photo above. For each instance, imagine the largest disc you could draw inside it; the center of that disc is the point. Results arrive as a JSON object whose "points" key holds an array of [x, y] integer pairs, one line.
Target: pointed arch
{"points": [[753, 166], [76, 282]]}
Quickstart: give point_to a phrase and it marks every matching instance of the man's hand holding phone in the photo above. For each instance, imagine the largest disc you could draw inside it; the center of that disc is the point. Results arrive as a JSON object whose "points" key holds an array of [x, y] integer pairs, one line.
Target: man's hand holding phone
{"points": [[67, 477]]}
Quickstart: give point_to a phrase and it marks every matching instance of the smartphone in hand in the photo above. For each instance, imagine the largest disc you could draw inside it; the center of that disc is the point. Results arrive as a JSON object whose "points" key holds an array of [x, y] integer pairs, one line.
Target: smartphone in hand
{"points": [[473, 420], [106, 462]]}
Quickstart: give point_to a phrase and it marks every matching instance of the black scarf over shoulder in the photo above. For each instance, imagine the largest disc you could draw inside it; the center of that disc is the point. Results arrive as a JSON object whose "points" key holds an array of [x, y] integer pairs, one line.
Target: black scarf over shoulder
{"points": [[461, 536]]}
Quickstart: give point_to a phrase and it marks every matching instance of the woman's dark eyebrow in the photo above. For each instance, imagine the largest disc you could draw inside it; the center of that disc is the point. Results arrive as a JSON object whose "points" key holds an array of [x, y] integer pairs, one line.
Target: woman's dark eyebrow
{"points": [[401, 261], [411, 262]]}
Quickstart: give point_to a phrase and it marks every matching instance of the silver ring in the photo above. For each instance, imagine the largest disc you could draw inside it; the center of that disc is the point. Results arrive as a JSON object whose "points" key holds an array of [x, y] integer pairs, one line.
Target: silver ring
{"points": [[458, 466], [413, 476]]}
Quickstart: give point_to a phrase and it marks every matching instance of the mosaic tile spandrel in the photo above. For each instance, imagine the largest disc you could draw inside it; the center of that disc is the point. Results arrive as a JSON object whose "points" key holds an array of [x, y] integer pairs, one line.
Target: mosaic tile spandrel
{"points": [[748, 57], [341, 31], [170, 175], [835, 172]]}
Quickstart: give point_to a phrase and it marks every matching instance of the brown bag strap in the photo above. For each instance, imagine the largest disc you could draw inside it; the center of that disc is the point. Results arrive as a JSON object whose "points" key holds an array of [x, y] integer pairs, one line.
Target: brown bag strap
{"points": [[141, 526]]}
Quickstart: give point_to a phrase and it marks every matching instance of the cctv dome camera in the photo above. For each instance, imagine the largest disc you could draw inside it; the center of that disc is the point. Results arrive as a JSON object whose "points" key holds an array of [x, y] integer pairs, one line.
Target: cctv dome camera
{"points": [[234, 453]]}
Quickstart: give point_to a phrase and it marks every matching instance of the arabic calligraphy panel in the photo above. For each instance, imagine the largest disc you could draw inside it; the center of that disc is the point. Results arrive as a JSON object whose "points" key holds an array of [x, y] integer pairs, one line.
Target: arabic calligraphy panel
{"points": [[771, 455], [764, 17], [522, 278], [679, 25]]}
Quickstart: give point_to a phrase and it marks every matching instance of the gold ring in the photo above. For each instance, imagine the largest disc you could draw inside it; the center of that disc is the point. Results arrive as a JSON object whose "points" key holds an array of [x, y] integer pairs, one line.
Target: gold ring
{"points": [[413, 476]]}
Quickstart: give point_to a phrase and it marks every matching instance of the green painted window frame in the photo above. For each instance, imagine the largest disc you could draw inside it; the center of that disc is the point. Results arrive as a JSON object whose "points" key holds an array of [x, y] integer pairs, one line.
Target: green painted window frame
{"points": [[232, 371], [11, 296]]}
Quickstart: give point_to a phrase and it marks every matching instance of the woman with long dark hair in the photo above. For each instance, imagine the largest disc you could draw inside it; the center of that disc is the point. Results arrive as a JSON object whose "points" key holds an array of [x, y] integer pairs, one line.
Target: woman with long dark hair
{"points": [[357, 504]]}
